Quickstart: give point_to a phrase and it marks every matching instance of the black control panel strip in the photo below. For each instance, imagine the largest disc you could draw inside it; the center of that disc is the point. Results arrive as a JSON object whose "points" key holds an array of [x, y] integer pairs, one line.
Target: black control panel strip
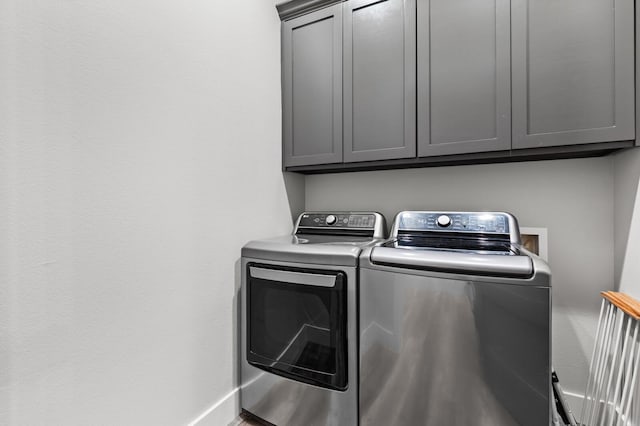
{"points": [[347, 232]]}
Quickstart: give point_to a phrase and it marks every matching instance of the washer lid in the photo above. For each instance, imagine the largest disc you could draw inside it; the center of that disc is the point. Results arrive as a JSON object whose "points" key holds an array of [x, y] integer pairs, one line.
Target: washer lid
{"points": [[313, 249], [463, 262]]}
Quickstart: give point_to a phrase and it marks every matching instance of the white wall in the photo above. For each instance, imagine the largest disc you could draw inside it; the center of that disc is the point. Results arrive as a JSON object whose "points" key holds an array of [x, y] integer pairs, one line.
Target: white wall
{"points": [[627, 230], [627, 222], [569, 197], [133, 135]]}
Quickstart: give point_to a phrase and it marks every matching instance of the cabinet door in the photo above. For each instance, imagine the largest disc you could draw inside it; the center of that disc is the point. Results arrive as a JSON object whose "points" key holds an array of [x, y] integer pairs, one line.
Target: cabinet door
{"points": [[312, 88], [379, 80], [573, 72], [464, 93]]}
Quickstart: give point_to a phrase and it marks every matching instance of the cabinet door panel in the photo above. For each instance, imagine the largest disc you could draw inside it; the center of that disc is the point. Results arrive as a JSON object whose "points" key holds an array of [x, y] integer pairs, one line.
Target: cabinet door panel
{"points": [[573, 72], [379, 80], [463, 76], [312, 88]]}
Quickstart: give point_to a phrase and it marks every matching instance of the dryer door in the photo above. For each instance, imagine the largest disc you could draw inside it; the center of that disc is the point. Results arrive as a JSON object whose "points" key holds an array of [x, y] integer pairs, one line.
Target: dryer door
{"points": [[297, 323]]}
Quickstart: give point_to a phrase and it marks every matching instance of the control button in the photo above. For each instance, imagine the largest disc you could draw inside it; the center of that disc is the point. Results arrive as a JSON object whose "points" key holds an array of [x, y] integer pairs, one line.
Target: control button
{"points": [[331, 219], [444, 221]]}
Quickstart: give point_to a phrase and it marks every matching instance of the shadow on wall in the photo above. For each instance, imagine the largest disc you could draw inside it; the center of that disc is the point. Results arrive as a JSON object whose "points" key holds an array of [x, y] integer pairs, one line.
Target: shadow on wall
{"points": [[294, 185], [573, 340], [236, 321], [627, 221]]}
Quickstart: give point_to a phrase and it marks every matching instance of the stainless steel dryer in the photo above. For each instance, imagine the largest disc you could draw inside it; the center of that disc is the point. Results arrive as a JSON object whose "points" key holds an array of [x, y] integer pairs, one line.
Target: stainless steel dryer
{"points": [[454, 324], [299, 354]]}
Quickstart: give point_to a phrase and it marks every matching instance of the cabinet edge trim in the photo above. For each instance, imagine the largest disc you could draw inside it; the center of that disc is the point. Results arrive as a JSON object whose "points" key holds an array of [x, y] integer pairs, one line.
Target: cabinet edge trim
{"points": [[294, 8], [510, 156]]}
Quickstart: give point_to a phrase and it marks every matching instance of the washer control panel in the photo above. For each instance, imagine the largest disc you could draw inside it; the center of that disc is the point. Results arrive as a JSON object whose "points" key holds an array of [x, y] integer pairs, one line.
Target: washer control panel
{"points": [[481, 223], [338, 220]]}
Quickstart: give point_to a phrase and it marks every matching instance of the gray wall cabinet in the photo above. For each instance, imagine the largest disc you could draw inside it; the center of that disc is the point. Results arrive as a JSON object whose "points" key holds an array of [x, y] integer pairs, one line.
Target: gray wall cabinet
{"points": [[379, 80], [464, 81], [375, 84], [312, 88], [572, 72]]}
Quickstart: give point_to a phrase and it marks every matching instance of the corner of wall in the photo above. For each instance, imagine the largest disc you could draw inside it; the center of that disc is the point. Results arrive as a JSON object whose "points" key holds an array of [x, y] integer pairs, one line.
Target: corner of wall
{"points": [[626, 168], [222, 412], [295, 186]]}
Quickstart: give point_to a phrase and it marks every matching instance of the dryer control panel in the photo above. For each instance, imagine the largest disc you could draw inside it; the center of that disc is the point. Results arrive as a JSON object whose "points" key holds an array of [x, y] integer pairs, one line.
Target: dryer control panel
{"points": [[337, 223], [338, 220]]}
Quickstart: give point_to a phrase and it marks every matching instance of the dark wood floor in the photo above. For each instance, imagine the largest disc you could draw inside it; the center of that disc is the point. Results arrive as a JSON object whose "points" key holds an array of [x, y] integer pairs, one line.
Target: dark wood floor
{"points": [[245, 420]]}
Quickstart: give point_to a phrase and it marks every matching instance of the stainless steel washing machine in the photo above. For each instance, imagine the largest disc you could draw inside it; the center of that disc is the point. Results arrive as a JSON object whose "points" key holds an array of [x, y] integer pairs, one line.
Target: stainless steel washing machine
{"points": [[455, 324], [299, 355]]}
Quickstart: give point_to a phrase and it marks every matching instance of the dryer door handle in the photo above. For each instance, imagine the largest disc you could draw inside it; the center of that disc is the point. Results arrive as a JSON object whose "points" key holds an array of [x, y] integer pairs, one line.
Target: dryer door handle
{"points": [[455, 262], [302, 278]]}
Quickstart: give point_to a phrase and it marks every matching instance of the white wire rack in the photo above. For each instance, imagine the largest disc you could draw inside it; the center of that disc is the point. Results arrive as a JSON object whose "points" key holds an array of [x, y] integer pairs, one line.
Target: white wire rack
{"points": [[610, 398]]}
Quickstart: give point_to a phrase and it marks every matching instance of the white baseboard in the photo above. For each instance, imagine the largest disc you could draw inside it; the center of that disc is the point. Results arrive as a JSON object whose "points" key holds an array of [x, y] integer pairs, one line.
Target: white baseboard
{"points": [[220, 413], [575, 401]]}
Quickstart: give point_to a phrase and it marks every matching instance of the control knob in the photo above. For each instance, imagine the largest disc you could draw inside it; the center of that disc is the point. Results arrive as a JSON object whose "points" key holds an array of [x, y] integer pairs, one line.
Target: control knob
{"points": [[443, 221], [331, 219]]}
